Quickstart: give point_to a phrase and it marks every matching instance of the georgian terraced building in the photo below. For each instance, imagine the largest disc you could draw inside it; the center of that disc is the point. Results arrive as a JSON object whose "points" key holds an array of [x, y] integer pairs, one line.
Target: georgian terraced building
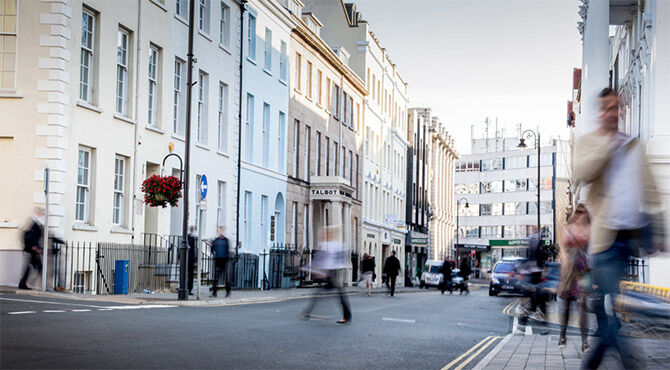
{"points": [[325, 115]]}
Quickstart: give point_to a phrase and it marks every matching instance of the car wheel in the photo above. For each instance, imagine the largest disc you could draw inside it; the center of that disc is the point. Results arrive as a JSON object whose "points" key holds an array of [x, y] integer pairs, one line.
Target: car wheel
{"points": [[491, 292], [422, 284]]}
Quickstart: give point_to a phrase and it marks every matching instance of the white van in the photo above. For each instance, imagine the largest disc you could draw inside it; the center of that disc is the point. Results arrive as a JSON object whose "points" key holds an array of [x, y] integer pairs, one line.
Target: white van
{"points": [[431, 275]]}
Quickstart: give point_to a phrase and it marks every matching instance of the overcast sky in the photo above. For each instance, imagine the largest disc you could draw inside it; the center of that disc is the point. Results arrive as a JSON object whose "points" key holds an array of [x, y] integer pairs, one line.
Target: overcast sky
{"points": [[472, 59]]}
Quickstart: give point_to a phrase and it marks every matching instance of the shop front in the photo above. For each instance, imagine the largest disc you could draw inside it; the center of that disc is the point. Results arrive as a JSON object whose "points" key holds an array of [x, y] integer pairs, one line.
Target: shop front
{"points": [[416, 255], [479, 255]]}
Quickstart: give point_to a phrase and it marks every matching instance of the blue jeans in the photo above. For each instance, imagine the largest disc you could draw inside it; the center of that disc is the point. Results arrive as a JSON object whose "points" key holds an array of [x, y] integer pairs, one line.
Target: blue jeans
{"points": [[609, 268]]}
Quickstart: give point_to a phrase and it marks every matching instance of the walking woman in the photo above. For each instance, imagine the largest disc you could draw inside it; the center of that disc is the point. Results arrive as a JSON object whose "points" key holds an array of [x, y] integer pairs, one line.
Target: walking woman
{"points": [[574, 270], [367, 272]]}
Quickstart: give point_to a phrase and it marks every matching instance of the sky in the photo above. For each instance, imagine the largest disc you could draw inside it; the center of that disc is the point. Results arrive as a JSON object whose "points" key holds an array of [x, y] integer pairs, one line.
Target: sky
{"points": [[472, 59]]}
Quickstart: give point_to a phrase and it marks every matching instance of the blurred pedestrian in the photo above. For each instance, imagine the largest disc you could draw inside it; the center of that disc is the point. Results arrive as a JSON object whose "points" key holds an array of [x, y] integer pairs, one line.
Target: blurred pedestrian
{"points": [[531, 271], [221, 251], [622, 200], [32, 246], [445, 270], [574, 268], [465, 268], [192, 257], [367, 272], [391, 270], [329, 259]]}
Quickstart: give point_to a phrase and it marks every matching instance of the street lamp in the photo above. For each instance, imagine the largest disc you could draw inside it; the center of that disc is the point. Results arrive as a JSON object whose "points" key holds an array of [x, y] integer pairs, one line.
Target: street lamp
{"points": [[458, 208], [522, 144]]}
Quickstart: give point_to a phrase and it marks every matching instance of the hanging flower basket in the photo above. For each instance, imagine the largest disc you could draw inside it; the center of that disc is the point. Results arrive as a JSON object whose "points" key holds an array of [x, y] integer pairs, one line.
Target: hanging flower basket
{"points": [[159, 191]]}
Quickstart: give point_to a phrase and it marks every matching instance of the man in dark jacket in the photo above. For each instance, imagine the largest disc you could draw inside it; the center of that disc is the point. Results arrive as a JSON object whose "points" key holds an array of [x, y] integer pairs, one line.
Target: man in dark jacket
{"points": [[445, 270], [192, 257], [221, 253], [32, 244], [465, 268], [391, 270]]}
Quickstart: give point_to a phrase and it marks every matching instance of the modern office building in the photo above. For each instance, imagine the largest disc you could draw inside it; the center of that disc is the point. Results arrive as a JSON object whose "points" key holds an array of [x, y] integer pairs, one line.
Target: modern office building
{"points": [[325, 115], [496, 192]]}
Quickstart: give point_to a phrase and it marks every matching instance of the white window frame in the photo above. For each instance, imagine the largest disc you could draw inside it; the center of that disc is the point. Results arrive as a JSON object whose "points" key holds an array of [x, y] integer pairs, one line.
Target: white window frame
{"points": [[203, 105], [296, 146], [280, 141], [266, 133], [181, 8], [223, 117], [309, 79], [298, 71], [263, 223], [249, 128], [83, 198], [306, 153], [177, 96], [221, 204], [294, 222], [153, 91], [87, 58], [251, 37], [224, 26], [122, 68], [319, 88], [203, 16], [317, 147], [305, 225], [118, 203], [268, 50], [246, 221], [283, 61]]}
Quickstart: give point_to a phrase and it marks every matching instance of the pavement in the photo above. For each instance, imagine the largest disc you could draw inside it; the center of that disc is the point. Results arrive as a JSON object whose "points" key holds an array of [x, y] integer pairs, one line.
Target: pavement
{"points": [[236, 297], [419, 330]]}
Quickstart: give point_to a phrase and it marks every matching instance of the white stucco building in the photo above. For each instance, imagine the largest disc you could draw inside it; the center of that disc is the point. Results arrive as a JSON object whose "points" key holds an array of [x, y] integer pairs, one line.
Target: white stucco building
{"points": [[626, 45], [265, 100], [385, 126]]}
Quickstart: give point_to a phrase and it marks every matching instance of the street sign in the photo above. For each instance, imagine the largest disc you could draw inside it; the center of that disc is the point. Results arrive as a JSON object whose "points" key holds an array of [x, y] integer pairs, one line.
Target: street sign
{"points": [[203, 187]]}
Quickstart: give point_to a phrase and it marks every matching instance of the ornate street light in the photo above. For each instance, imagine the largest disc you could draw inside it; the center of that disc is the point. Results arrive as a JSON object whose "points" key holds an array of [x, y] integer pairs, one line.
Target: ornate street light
{"points": [[458, 208]]}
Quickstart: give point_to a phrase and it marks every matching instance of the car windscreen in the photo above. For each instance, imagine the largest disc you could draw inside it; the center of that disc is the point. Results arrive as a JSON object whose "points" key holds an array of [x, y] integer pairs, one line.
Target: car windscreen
{"points": [[504, 267]]}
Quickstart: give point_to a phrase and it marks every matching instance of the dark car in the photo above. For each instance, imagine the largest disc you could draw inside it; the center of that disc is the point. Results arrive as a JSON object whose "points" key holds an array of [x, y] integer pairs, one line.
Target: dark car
{"points": [[505, 277]]}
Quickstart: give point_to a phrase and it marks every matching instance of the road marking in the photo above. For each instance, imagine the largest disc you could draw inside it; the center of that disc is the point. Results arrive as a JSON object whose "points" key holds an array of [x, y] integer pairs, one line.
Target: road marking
{"points": [[105, 309], [52, 311], [474, 355], [138, 307], [398, 320], [50, 302], [82, 310], [459, 358], [20, 312]]}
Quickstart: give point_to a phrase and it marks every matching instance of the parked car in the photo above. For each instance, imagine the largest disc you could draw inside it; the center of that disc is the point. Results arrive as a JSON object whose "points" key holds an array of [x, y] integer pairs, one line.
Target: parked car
{"points": [[431, 275], [505, 277]]}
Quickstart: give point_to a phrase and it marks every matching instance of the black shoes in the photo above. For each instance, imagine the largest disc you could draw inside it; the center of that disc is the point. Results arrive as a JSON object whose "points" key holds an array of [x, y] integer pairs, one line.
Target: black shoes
{"points": [[24, 287]]}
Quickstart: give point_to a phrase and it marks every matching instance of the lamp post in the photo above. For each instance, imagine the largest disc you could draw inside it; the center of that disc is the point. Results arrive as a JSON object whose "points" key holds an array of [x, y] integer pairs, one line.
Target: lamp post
{"points": [[458, 209], [182, 292], [522, 144]]}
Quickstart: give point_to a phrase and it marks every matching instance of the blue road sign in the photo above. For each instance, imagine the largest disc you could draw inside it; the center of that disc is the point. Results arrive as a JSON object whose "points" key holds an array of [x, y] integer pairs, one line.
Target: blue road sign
{"points": [[203, 186]]}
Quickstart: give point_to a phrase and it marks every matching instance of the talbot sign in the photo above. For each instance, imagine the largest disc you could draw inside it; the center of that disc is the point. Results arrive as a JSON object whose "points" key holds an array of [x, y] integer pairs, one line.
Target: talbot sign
{"points": [[330, 192]]}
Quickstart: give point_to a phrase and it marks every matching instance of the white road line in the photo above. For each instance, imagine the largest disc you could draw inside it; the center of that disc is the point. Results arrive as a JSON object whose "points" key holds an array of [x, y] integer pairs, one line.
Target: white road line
{"points": [[398, 320], [20, 312], [105, 309], [50, 302], [52, 311], [141, 306], [80, 310]]}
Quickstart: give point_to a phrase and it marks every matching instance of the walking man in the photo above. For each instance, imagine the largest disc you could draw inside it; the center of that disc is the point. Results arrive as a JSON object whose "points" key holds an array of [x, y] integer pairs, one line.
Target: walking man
{"points": [[32, 245], [391, 270], [221, 253], [622, 198], [192, 257]]}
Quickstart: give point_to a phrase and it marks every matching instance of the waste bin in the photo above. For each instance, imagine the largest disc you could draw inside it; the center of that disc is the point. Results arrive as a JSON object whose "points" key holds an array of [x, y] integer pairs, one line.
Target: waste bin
{"points": [[121, 276]]}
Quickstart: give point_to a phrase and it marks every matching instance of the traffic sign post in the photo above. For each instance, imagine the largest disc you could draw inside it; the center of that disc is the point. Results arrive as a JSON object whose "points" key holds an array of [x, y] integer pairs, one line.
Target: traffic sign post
{"points": [[203, 187]]}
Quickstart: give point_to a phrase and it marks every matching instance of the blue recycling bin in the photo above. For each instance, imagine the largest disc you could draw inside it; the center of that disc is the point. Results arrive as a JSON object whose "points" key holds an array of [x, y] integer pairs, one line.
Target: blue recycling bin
{"points": [[121, 276]]}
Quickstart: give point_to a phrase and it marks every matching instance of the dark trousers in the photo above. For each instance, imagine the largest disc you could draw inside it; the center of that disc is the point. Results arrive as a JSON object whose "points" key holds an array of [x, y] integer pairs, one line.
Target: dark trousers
{"points": [[34, 263], [390, 279], [609, 268], [331, 284], [191, 275], [220, 270], [583, 320]]}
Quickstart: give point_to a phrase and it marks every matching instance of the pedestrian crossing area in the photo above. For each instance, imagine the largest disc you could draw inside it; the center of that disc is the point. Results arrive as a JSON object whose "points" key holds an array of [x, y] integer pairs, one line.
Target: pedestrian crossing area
{"points": [[60, 307]]}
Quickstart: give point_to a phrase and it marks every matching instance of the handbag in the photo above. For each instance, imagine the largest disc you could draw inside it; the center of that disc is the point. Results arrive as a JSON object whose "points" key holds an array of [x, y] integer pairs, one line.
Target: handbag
{"points": [[651, 239]]}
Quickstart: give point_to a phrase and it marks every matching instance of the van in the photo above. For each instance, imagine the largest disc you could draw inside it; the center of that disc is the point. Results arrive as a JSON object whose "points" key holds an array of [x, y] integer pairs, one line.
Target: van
{"points": [[431, 275]]}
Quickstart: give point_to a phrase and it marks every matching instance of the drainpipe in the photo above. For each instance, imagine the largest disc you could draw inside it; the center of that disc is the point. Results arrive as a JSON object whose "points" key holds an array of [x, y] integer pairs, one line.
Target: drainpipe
{"points": [[242, 4], [136, 117]]}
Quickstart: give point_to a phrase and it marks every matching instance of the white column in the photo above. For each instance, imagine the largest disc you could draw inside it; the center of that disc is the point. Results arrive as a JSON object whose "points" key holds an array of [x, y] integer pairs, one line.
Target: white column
{"points": [[595, 61]]}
